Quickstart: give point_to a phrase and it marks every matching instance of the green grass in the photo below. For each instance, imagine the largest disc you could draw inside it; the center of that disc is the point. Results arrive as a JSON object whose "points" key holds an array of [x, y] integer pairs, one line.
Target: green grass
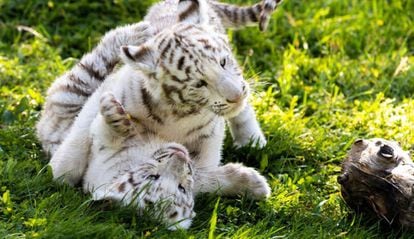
{"points": [[325, 73]]}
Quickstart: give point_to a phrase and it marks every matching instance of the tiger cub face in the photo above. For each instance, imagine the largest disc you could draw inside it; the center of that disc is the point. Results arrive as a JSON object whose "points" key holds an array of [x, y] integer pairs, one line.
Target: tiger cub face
{"points": [[191, 68], [164, 181], [152, 175]]}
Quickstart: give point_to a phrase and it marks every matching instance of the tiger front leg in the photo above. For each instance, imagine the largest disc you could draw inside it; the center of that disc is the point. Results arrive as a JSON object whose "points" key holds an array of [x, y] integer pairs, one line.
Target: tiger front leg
{"points": [[244, 129], [112, 127], [71, 158], [230, 179], [115, 116], [233, 179]]}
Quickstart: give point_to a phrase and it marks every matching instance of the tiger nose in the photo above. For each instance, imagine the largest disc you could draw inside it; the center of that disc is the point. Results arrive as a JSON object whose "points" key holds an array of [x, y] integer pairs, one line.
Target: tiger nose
{"points": [[181, 154], [236, 98]]}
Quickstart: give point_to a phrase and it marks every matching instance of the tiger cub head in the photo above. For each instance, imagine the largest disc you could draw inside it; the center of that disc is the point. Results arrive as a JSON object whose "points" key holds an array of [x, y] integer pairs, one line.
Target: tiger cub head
{"points": [[190, 68], [147, 172], [156, 177], [159, 181]]}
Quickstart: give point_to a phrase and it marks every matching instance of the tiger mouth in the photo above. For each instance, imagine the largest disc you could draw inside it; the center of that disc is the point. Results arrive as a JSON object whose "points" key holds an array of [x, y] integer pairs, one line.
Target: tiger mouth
{"points": [[228, 110]]}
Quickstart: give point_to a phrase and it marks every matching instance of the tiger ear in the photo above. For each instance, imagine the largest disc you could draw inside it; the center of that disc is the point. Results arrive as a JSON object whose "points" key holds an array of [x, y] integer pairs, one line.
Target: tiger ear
{"points": [[140, 57]]}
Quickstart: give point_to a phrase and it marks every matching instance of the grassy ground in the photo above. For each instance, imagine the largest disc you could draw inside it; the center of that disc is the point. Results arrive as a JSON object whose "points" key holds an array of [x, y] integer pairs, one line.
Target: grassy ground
{"points": [[326, 73]]}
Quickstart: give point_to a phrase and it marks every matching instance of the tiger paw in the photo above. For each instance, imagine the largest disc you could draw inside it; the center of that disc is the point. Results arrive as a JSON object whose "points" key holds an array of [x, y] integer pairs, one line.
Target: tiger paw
{"points": [[114, 114], [257, 139], [247, 181]]}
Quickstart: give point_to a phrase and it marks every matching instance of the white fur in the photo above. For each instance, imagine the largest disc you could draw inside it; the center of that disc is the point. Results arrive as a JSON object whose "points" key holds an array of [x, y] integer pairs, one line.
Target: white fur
{"points": [[122, 163], [128, 81], [62, 104], [91, 139]]}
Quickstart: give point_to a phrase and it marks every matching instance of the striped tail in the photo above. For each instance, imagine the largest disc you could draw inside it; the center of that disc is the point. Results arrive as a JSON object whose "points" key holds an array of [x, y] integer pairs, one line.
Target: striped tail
{"points": [[236, 16]]}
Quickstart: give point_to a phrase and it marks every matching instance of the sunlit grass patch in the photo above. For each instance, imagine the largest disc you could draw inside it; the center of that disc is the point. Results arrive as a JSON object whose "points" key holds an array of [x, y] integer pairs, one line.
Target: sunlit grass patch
{"points": [[324, 74]]}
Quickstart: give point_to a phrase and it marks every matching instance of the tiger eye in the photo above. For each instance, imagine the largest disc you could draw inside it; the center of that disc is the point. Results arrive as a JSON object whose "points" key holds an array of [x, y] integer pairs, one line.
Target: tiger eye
{"points": [[181, 188], [153, 177], [223, 62]]}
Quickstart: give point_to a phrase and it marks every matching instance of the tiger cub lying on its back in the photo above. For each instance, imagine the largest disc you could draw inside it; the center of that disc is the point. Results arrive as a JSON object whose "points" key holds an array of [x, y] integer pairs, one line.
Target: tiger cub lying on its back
{"points": [[140, 169]]}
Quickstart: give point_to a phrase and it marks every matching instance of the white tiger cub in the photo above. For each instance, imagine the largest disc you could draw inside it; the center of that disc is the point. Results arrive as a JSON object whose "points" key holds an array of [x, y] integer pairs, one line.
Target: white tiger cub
{"points": [[68, 93], [135, 169], [185, 101]]}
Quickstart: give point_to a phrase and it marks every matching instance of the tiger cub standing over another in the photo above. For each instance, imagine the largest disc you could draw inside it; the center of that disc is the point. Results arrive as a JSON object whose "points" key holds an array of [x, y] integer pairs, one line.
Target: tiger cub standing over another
{"points": [[69, 92], [184, 102], [178, 87]]}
